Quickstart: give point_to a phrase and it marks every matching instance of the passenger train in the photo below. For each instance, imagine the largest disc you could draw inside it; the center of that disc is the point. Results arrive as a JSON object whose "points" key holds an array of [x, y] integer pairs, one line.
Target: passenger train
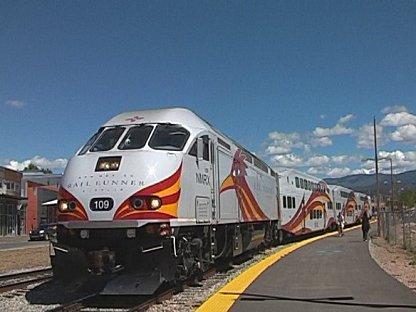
{"points": [[159, 196]]}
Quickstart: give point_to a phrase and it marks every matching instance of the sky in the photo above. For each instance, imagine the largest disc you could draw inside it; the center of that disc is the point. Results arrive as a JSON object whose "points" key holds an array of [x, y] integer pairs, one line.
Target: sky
{"points": [[298, 83]]}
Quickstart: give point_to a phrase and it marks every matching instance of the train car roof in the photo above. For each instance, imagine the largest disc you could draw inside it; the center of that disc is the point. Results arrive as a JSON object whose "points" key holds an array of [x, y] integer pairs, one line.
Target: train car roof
{"points": [[300, 174], [164, 115]]}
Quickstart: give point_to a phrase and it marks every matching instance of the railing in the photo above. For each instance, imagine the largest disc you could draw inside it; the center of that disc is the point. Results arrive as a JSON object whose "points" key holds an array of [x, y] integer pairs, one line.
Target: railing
{"points": [[399, 228]]}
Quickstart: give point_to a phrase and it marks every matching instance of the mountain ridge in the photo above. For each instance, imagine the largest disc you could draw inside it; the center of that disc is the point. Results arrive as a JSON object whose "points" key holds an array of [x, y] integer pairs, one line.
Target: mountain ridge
{"points": [[366, 183]]}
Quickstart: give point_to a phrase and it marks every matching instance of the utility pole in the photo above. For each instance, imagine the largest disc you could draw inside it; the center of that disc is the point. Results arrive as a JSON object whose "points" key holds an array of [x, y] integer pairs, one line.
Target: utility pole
{"points": [[377, 182]]}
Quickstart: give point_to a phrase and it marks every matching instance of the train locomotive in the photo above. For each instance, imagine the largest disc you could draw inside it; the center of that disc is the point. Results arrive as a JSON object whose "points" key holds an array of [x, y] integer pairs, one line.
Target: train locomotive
{"points": [[160, 196]]}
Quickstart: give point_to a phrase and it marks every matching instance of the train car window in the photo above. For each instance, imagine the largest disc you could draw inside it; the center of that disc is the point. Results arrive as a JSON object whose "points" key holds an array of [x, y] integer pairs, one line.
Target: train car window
{"points": [[90, 142], [136, 137], [344, 194], [169, 137], [107, 140], [297, 182], [224, 144], [259, 164], [248, 157]]}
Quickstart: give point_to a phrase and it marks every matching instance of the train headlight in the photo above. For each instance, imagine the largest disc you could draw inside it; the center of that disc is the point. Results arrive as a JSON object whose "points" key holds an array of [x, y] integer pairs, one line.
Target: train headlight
{"points": [[137, 203], [145, 202], [155, 203], [108, 164], [63, 205]]}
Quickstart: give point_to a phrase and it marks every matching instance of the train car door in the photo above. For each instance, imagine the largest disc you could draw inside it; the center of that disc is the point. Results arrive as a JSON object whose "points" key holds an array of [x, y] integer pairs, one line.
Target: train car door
{"points": [[198, 181], [204, 201]]}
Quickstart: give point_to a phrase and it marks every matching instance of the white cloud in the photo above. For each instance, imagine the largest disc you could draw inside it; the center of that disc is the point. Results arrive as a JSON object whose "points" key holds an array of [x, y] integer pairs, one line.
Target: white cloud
{"points": [[345, 159], [401, 161], [405, 133], [15, 103], [338, 172], [365, 136], [323, 141], [283, 143], [319, 160], [287, 161], [58, 164], [272, 150], [398, 119], [345, 119], [339, 129], [394, 109]]}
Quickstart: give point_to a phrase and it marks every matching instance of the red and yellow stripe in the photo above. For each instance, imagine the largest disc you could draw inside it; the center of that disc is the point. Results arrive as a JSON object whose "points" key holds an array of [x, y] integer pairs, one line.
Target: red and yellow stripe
{"points": [[167, 190]]}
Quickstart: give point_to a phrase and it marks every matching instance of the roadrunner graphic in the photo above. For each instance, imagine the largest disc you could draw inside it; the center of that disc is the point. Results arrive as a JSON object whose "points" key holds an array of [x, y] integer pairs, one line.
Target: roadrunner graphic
{"points": [[250, 209]]}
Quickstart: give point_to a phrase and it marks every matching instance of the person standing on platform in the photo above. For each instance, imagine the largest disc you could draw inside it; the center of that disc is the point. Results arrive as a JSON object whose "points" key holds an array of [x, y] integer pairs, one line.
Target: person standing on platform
{"points": [[340, 220], [365, 225]]}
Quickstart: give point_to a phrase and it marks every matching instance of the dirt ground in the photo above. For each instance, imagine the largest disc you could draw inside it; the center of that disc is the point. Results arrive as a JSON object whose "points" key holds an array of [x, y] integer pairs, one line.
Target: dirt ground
{"points": [[23, 259], [393, 259]]}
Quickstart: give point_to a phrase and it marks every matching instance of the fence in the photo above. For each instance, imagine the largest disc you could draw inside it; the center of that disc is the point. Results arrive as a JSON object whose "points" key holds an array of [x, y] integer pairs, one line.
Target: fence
{"points": [[399, 228]]}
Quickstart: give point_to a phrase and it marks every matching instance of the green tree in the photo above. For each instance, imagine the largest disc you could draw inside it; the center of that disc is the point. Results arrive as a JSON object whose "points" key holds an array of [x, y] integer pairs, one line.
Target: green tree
{"points": [[33, 167], [408, 197]]}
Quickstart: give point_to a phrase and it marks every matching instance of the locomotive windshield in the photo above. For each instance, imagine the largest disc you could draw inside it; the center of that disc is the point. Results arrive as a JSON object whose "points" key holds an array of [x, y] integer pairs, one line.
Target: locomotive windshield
{"points": [[107, 140], [89, 143], [169, 137], [162, 137], [136, 137]]}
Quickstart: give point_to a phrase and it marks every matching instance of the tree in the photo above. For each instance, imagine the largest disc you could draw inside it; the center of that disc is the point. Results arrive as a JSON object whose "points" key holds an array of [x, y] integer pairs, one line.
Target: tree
{"points": [[33, 167], [408, 197]]}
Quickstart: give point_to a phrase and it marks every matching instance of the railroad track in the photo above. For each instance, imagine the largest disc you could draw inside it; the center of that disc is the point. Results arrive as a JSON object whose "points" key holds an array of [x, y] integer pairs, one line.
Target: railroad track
{"points": [[97, 302], [22, 279]]}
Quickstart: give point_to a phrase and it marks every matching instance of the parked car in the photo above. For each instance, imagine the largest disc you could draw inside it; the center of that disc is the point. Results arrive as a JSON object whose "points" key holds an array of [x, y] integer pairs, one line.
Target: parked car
{"points": [[43, 232]]}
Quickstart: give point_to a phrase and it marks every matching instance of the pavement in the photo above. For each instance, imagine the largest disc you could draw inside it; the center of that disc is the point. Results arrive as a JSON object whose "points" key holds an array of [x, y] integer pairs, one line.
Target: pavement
{"points": [[19, 241], [329, 273]]}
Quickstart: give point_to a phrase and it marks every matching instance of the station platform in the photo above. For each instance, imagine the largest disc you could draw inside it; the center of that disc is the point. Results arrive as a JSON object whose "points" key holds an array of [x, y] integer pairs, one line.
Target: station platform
{"points": [[326, 273]]}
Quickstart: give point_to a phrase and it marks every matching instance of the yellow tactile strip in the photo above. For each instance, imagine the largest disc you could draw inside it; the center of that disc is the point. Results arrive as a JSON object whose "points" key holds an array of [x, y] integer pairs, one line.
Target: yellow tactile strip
{"points": [[223, 299]]}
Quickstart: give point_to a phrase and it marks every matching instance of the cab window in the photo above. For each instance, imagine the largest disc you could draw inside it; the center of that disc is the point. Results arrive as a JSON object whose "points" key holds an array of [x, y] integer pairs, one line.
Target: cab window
{"points": [[107, 140], [205, 154], [169, 137], [136, 137], [89, 143]]}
